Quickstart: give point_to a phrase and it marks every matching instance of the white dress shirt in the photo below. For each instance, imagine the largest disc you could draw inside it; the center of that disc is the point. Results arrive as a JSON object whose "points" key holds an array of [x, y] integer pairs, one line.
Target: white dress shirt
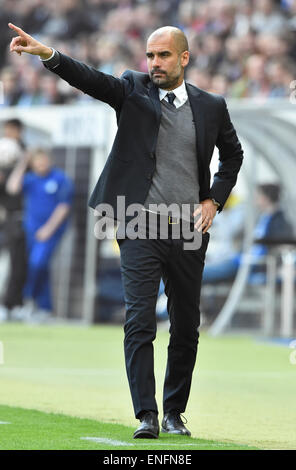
{"points": [[45, 60], [180, 92]]}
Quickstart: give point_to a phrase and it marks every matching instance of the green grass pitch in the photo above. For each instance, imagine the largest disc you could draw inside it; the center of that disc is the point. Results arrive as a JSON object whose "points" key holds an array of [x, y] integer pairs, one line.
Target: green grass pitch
{"points": [[65, 387]]}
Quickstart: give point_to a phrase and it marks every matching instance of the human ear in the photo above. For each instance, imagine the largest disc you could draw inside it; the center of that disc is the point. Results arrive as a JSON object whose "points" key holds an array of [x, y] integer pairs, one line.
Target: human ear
{"points": [[184, 58]]}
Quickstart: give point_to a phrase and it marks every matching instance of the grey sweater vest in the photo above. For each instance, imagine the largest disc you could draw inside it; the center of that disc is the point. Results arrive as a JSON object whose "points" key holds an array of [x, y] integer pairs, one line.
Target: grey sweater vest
{"points": [[175, 179]]}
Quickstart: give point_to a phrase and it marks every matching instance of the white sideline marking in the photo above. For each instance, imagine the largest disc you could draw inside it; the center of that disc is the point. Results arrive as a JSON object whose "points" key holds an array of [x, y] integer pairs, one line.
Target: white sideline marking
{"points": [[105, 440], [180, 444], [4, 422], [169, 444], [112, 442]]}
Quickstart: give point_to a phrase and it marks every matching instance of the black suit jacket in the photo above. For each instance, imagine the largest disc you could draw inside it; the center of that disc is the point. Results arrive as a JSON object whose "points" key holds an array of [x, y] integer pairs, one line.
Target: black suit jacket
{"points": [[130, 165]]}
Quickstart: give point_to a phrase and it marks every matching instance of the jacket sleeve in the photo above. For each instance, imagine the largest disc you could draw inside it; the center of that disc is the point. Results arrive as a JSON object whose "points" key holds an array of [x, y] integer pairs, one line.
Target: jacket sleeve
{"points": [[230, 160], [99, 85]]}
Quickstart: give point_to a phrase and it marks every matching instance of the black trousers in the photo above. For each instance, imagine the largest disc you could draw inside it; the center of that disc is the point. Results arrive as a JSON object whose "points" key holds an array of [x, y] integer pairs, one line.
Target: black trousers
{"points": [[143, 263]]}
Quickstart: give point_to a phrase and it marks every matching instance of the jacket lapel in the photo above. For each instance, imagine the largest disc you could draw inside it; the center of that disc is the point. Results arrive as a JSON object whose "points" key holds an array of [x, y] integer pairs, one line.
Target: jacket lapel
{"points": [[154, 95], [198, 111]]}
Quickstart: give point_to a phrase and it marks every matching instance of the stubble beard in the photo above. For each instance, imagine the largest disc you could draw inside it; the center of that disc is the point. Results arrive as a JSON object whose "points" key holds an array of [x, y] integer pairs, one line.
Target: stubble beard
{"points": [[165, 82]]}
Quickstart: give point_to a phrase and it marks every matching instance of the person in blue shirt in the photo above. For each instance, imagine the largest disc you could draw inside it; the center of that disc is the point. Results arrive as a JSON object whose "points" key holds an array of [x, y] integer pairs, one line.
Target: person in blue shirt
{"points": [[48, 195]]}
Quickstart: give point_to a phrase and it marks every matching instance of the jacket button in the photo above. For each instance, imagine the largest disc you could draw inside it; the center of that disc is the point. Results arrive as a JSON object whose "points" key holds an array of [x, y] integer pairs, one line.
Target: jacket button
{"points": [[149, 176], [152, 155]]}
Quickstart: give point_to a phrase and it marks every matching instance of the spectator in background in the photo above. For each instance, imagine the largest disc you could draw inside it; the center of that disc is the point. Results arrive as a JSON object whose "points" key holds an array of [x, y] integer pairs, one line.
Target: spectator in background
{"points": [[7, 11], [11, 151], [211, 53], [272, 46], [200, 78], [266, 18], [247, 45], [48, 196], [271, 225], [13, 129], [254, 82], [292, 11], [220, 85], [31, 89], [280, 75], [243, 17], [232, 64], [68, 19], [50, 91], [35, 14], [11, 91]]}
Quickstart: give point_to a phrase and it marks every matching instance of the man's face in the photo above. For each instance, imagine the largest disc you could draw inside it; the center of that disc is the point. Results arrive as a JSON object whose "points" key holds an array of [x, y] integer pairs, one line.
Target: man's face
{"points": [[40, 164], [165, 63], [262, 202], [13, 132]]}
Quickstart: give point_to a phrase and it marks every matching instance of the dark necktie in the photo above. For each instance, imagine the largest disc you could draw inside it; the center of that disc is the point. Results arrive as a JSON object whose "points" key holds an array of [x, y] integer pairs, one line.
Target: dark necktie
{"points": [[171, 97]]}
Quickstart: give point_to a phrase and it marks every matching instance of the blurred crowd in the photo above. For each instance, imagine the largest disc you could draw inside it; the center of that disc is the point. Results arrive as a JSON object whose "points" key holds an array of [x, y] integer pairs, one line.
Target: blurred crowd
{"points": [[239, 48]]}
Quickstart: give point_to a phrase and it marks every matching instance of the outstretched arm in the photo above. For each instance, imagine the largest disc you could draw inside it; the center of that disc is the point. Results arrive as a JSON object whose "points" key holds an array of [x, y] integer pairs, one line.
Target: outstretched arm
{"points": [[97, 84]]}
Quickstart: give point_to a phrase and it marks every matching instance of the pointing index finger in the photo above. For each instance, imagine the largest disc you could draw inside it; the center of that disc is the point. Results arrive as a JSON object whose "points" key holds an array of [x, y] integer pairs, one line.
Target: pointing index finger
{"points": [[17, 29]]}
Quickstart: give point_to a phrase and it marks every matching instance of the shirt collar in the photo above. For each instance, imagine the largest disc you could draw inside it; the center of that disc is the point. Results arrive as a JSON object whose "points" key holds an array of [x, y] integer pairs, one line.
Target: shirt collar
{"points": [[180, 92]]}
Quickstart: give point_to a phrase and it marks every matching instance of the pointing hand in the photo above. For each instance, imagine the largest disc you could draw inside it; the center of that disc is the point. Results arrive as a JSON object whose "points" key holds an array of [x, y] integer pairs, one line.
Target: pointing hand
{"points": [[25, 43]]}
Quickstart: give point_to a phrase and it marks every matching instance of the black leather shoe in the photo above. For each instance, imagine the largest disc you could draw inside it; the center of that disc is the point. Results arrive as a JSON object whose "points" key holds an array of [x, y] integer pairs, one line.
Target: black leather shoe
{"points": [[149, 427], [173, 424]]}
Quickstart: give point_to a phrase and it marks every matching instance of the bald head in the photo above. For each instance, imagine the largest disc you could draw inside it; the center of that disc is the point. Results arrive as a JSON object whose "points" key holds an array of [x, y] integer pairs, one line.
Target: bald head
{"points": [[179, 38], [167, 56]]}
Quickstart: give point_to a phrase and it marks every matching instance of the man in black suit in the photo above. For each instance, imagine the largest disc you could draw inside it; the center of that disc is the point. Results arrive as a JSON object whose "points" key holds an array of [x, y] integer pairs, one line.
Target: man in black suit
{"points": [[167, 131]]}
